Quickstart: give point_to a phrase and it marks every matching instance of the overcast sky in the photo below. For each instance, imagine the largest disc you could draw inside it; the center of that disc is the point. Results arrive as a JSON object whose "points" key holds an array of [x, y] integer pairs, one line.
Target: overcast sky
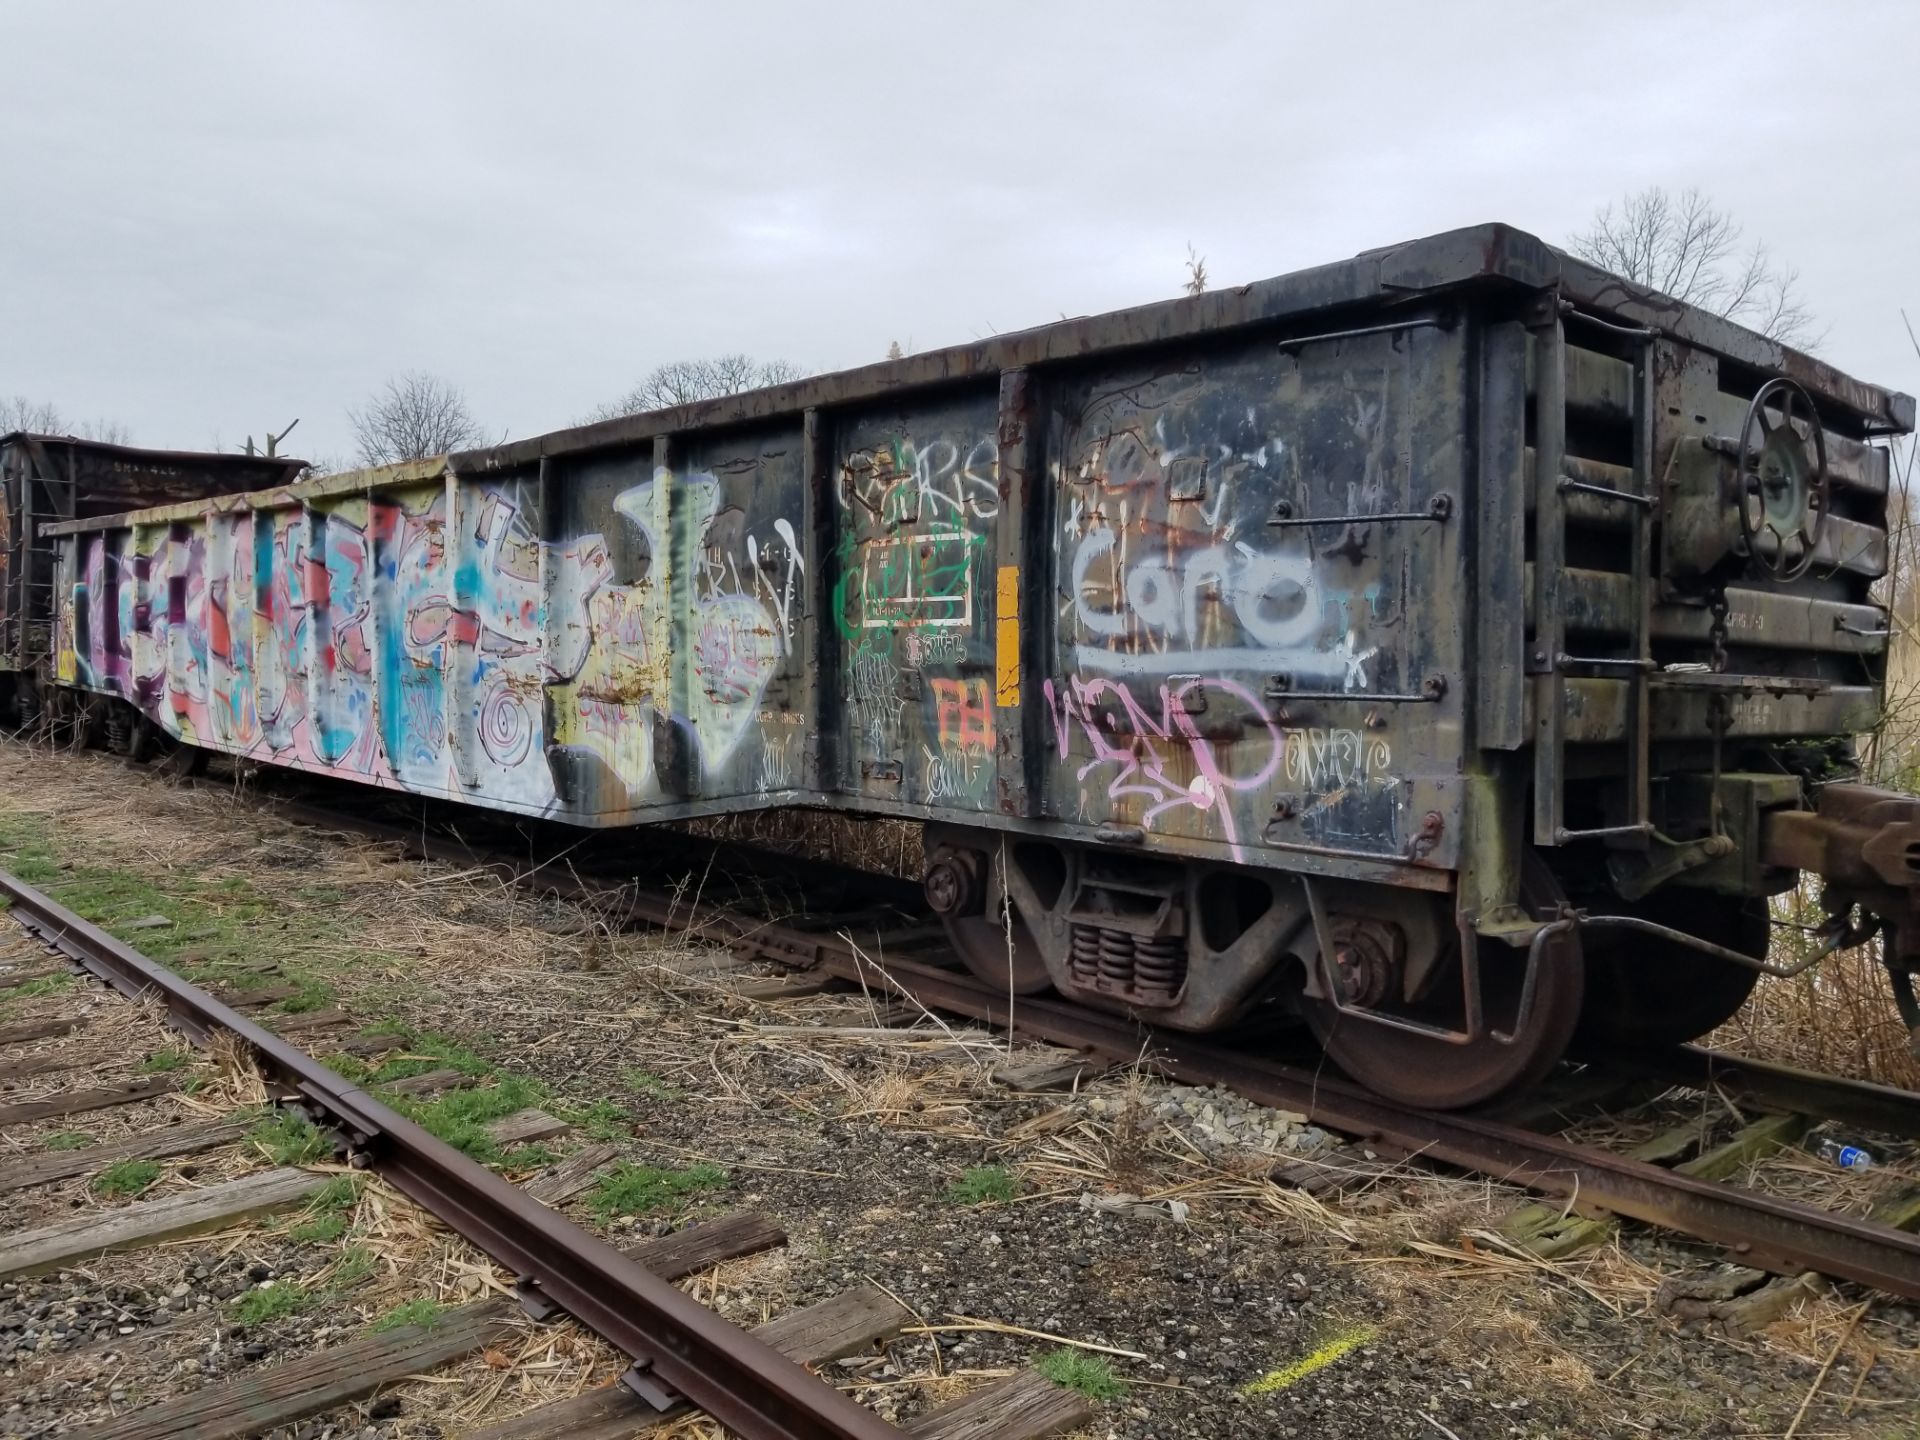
{"points": [[218, 217]]}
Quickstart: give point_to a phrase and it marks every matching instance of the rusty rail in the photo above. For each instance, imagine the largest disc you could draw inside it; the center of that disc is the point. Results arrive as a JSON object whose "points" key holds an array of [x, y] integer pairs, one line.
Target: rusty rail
{"points": [[679, 1348]]}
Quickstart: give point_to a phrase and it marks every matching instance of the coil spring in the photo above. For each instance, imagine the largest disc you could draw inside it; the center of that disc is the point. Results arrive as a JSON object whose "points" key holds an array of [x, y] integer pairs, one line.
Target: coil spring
{"points": [[119, 732], [1083, 958], [1116, 960], [1158, 965]]}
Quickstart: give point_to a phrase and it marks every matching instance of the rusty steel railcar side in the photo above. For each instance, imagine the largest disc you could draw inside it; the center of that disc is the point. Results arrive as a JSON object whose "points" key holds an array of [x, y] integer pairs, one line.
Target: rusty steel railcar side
{"points": [[45, 478], [1397, 571]]}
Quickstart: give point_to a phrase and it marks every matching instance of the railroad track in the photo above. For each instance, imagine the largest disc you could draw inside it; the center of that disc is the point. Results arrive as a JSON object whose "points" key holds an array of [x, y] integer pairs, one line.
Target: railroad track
{"points": [[1678, 1181], [683, 1357]]}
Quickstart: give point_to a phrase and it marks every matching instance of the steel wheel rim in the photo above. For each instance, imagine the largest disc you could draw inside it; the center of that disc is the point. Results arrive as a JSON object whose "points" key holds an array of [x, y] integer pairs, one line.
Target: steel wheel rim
{"points": [[1436, 1075]]}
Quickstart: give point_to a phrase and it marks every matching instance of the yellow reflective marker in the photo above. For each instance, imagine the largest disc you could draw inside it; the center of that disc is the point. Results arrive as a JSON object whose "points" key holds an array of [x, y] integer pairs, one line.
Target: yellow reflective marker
{"points": [[1340, 1345], [1006, 646]]}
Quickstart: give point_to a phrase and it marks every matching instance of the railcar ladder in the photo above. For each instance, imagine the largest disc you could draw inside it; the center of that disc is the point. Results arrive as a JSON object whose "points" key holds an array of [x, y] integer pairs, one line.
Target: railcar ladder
{"points": [[1554, 480]]}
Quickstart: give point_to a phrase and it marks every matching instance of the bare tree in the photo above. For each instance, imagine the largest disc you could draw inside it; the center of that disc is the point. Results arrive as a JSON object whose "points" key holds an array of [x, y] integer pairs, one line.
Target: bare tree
{"points": [[411, 417], [41, 418], [1196, 281], [1686, 248], [681, 382], [894, 352]]}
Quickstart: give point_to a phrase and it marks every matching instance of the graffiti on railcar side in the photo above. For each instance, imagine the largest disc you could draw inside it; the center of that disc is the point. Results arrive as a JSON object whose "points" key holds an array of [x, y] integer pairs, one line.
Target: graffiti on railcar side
{"points": [[938, 480], [1191, 600], [913, 607], [379, 639], [1155, 758]]}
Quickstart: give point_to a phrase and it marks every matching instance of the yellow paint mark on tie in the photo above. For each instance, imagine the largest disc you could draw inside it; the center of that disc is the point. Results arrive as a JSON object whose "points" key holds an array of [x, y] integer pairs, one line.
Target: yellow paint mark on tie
{"points": [[1006, 646], [1319, 1358]]}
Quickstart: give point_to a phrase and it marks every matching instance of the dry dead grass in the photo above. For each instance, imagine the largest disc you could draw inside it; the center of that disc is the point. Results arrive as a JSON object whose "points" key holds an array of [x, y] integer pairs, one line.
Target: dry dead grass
{"points": [[1838, 1017], [889, 846]]}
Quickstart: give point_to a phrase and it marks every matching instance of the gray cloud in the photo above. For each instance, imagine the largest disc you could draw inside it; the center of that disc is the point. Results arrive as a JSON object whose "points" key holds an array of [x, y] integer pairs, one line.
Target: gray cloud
{"points": [[219, 216]]}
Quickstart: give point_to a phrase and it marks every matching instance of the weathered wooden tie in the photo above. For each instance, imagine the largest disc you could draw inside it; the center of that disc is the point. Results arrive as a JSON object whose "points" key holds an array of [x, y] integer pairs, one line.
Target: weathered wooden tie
{"points": [[76, 1102], [309, 1020], [1026, 1406], [40, 1029], [1048, 1072], [1554, 1232], [55, 1061], [841, 1326], [524, 1127], [81, 1237], [430, 1082], [787, 987], [287, 1393], [45, 1169], [572, 1175], [255, 998]]}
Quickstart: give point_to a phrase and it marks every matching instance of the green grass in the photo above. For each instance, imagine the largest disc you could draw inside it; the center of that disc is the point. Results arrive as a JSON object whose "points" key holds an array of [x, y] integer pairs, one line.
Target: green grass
{"points": [[414, 1312], [648, 1083], [163, 1061], [290, 1139], [1091, 1375], [69, 1140], [339, 1194], [529, 1157], [424, 1051], [461, 1117], [321, 1230], [128, 1178], [45, 985], [643, 1189], [356, 1264], [600, 1120], [981, 1185], [271, 1302], [213, 920]]}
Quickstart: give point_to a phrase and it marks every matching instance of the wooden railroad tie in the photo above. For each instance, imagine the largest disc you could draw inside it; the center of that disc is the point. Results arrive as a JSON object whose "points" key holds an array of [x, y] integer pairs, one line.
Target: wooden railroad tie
{"points": [[66, 1242], [153, 1145], [40, 1029], [296, 1389], [76, 1102], [1553, 1232]]}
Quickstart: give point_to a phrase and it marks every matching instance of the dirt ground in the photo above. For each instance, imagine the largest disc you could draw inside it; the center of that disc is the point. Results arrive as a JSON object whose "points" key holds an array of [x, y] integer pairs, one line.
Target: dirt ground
{"points": [[1114, 1224]]}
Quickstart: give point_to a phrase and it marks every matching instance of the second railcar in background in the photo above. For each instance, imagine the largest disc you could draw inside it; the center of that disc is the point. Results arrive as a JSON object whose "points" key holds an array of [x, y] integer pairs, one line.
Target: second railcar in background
{"points": [[1445, 642], [44, 478]]}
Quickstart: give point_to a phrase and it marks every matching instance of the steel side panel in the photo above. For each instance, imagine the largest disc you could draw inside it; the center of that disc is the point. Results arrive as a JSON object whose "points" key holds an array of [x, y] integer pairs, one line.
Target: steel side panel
{"points": [[1208, 664], [611, 639]]}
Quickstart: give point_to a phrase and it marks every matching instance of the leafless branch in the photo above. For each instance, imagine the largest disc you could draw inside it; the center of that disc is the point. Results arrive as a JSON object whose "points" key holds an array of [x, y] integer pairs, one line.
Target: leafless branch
{"points": [[1686, 248], [413, 416], [41, 418], [681, 382]]}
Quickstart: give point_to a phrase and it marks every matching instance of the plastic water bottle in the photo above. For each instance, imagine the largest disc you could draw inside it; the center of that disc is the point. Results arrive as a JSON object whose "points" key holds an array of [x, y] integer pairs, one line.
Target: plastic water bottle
{"points": [[1846, 1157]]}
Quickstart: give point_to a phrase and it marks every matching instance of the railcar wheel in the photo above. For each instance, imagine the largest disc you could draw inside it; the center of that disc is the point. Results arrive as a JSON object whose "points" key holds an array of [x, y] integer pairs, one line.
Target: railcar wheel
{"points": [[143, 740], [967, 890], [1644, 992], [1436, 1075]]}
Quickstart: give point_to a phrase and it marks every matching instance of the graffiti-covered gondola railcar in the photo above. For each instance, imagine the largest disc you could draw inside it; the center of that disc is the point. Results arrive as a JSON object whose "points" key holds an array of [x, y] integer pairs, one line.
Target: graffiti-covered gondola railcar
{"points": [[44, 478], [1323, 640]]}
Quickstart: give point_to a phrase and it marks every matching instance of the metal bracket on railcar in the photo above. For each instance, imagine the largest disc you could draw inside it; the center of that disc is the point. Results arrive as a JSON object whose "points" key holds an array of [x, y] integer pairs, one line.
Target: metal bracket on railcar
{"points": [[1341, 973], [1865, 843]]}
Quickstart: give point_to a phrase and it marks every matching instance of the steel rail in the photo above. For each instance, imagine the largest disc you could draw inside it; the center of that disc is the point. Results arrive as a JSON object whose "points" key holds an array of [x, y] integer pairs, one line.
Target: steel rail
{"points": [[1885, 1108], [1762, 1230], [679, 1348], [1759, 1229]]}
